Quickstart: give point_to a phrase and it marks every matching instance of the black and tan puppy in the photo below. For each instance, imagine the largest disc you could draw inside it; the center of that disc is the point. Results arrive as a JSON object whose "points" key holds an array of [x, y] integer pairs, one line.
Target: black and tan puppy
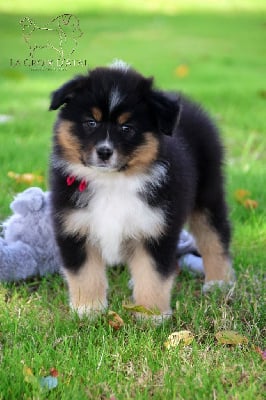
{"points": [[130, 165]]}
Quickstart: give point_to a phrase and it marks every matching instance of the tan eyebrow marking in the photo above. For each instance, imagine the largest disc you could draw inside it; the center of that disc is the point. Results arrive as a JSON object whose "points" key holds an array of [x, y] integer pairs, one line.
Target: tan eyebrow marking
{"points": [[123, 118], [97, 114]]}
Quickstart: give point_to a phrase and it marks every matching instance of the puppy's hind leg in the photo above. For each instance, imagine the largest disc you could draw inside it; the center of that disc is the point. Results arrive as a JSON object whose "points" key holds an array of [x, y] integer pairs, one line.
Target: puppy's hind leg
{"points": [[212, 233]]}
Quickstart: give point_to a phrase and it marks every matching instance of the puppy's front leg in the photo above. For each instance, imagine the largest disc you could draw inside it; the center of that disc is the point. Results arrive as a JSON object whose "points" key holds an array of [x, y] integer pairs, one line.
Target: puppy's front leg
{"points": [[87, 282], [151, 289]]}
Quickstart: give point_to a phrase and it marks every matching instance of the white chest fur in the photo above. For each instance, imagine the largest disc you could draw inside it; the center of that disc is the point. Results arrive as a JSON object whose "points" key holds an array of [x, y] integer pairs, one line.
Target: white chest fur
{"points": [[117, 213]]}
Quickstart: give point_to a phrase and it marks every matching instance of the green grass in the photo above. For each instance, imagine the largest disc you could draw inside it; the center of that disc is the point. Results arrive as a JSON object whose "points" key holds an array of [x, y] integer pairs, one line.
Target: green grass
{"points": [[223, 45]]}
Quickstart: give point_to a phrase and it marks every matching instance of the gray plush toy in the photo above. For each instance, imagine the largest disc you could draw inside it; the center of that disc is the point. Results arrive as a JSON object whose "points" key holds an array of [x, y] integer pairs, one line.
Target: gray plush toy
{"points": [[28, 247]]}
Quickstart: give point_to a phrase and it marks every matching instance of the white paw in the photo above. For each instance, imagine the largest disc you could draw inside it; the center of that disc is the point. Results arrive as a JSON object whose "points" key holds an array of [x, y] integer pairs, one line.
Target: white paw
{"points": [[221, 285], [89, 310], [156, 319]]}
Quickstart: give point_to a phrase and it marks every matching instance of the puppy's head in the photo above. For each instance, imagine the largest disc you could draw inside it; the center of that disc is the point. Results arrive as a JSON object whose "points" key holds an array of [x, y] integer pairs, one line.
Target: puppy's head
{"points": [[112, 119]]}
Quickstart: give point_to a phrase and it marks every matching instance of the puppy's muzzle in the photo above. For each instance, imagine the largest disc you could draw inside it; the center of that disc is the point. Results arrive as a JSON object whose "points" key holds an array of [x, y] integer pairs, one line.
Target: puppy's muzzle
{"points": [[104, 151]]}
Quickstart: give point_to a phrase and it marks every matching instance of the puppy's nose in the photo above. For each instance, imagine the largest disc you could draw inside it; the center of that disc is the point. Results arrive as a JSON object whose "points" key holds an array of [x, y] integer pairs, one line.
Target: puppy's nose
{"points": [[104, 151]]}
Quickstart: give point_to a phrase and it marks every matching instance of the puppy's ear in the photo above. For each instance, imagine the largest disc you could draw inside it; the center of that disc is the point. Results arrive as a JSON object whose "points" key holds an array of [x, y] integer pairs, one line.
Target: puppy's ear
{"points": [[66, 92], [166, 108]]}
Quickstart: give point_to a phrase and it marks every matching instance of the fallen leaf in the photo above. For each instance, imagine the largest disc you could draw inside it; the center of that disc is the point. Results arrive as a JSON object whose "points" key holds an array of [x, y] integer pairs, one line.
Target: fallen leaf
{"points": [[27, 178], [230, 337], [114, 320], [28, 376], [261, 352], [250, 204], [27, 371], [181, 338], [182, 71], [140, 309], [241, 195]]}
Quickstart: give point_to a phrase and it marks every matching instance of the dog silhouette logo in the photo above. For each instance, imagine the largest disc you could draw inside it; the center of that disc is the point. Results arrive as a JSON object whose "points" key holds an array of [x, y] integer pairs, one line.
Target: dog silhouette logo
{"points": [[61, 34]]}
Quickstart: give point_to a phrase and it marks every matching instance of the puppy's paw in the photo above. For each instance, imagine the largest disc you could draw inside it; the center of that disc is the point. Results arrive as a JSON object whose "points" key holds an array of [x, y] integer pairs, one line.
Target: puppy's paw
{"points": [[226, 283], [155, 319], [92, 311], [224, 286]]}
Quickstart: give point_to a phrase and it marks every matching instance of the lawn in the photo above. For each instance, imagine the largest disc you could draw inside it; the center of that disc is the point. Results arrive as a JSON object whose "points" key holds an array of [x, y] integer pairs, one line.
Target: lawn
{"points": [[215, 53]]}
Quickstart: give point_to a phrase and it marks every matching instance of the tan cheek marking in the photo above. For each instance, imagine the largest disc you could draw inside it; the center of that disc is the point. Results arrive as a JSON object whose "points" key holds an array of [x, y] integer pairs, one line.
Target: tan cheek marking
{"points": [[144, 155], [97, 114], [123, 118], [68, 142]]}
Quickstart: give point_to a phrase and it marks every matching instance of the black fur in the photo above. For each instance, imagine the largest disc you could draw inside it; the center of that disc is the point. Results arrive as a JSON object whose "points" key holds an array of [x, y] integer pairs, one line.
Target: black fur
{"points": [[189, 149]]}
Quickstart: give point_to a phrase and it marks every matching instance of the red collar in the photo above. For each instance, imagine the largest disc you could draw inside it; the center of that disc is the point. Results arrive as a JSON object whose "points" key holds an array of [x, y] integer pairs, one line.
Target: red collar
{"points": [[82, 185]]}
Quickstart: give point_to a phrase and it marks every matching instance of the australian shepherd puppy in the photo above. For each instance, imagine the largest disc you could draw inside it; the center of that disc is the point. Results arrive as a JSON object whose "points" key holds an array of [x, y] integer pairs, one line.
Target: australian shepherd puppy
{"points": [[130, 166]]}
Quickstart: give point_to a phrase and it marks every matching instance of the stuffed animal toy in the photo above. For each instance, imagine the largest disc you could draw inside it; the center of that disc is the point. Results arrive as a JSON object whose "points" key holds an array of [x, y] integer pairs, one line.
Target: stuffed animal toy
{"points": [[28, 247], [188, 255]]}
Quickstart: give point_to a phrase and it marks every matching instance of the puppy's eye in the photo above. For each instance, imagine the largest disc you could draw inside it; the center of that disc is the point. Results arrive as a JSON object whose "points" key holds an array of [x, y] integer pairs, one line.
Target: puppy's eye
{"points": [[127, 129], [91, 123]]}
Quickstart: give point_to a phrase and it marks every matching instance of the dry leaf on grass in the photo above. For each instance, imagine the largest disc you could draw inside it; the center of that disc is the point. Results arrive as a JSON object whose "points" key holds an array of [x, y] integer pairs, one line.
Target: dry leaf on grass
{"points": [[140, 309], [242, 197], [250, 203], [28, 178], [241, 194], [28, 375], [261, 352], [230, 337], [114, 320], [182, 71], [181, 338]]}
